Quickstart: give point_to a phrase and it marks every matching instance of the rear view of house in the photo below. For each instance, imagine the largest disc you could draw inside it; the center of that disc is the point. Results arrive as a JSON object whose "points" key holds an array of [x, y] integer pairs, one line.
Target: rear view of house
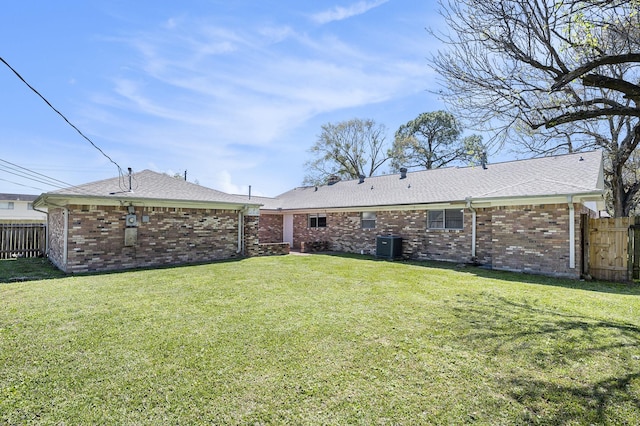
{"points": [[519, 216], [146, 219]]}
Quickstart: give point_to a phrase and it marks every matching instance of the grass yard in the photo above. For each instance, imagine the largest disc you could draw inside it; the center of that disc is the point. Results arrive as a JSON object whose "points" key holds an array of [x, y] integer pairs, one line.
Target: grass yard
{"points": [[318, 340]]}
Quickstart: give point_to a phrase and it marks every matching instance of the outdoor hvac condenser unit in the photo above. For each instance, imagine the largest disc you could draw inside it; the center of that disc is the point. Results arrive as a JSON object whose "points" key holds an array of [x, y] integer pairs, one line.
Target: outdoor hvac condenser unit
{"points": [[389, 247]]}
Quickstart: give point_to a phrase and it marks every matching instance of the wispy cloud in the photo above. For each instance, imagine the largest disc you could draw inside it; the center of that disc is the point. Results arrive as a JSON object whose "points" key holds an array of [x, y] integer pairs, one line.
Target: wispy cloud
{"points": [[194, 90], [338, 13]]}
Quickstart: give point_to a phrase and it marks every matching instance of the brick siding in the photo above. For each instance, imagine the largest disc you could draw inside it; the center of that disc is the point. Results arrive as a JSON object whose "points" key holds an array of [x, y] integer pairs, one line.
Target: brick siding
{"points": [[271, 228], [171, 236], [531, 238], [271, 249], [251, 239]]}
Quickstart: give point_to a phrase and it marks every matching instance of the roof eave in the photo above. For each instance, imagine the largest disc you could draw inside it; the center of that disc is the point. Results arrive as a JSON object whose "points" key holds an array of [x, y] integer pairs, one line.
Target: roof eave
{"points": [[62, 200], [595, 195]]}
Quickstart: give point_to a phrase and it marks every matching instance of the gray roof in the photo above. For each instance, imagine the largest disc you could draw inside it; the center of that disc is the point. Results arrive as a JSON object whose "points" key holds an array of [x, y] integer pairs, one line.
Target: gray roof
{"points": [[571, 174], [149, 185]]}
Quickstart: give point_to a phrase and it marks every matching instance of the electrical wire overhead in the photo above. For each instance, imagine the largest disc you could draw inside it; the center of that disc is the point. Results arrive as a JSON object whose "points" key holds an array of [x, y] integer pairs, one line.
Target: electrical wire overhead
{"points": [[20, 184], [25, 173], [32, 176], [120, 172]]}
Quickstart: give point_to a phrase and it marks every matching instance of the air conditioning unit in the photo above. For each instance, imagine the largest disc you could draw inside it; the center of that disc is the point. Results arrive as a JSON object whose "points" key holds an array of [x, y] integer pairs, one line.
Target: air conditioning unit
{"points": [[388, 246]]}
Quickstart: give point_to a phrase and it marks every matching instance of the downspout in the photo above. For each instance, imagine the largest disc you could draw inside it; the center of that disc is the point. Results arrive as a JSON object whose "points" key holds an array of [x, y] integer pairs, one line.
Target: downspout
{"points": [[240, 231], [473, 229], [65, 249], [46, 232], [572, 233]]}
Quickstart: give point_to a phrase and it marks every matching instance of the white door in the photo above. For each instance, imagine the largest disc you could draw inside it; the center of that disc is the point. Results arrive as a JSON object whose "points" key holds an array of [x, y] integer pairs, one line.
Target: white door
{"points": [[287, 229]]}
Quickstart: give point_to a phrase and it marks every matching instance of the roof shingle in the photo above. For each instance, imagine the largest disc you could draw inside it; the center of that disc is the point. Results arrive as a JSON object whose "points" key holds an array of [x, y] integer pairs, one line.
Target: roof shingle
{"points": [[150, 185], [570, 174]]}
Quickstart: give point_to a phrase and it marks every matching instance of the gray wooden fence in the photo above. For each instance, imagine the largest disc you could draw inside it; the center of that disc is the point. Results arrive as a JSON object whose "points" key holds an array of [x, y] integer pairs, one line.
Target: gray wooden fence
{"points": [[22, 240]]}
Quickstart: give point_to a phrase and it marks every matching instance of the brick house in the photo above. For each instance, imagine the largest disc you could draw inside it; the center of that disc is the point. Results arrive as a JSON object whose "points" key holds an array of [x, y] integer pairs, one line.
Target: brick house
{"points": [[520, 216], [146, 219]]}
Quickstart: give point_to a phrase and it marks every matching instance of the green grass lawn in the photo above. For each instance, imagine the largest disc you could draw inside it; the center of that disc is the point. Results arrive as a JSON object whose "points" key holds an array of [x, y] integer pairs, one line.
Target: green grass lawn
{"points": [[318, 340]]}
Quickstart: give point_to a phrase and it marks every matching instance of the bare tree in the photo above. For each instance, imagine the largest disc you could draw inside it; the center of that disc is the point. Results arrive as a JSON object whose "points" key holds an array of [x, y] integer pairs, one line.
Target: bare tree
{"points": [[348, 149], [551, 75]]}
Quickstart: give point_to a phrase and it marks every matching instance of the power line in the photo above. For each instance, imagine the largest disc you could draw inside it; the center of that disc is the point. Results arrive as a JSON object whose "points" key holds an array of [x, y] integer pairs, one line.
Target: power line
{"points": [[61, 115], [25, 173], [34, 179], [34, 176], [20, 184]]}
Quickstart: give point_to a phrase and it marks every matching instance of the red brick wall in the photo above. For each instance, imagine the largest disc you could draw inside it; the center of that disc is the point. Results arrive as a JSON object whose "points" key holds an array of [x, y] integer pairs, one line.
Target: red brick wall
{"points": [[484, 237], [271, 228], [532, 238], [171, 236], [344, 233]]}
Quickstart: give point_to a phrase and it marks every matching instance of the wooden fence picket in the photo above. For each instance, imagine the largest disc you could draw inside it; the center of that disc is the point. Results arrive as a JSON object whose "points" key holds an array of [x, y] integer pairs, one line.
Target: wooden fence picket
{"points": [[22, 240]]}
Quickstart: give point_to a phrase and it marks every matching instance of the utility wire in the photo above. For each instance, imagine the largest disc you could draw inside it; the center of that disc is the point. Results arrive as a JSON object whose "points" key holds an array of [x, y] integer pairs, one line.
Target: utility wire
{"points": [[61, 115], [54, 182], [34, 179], [20, 184], [23, 172]]}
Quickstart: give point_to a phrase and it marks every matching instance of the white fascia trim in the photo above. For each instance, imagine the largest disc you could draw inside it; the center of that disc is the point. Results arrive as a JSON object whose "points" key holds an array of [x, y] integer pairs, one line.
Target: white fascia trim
{"points": [[59, 201], [477, 203], [381, 208]]}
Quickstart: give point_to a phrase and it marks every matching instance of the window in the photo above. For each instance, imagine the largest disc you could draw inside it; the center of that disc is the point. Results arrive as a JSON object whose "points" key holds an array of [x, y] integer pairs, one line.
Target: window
{"points": [[6, 205], [318, 220], [368, 220], [445, 219], [30, 206]]}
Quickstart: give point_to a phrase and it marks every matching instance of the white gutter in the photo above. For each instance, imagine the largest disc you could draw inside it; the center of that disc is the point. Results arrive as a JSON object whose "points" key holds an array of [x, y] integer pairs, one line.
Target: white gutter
{"points": [[572, 233], [473, 229]]}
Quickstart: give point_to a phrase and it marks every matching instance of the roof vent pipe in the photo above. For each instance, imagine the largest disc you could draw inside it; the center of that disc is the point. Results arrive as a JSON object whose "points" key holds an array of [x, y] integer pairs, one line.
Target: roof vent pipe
{"points": [[361, 177], [403, 173], [483, 160], [333, 179]]}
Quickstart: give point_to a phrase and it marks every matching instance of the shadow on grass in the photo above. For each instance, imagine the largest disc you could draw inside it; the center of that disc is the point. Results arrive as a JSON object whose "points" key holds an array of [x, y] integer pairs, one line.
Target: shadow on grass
{"points": [[32, 269], [559, 367], [598, 286], [569, 368], [28, 269]]}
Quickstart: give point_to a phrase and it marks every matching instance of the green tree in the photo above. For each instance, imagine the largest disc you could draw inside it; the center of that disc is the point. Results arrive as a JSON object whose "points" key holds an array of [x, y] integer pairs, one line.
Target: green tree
{"points": [[551, 76], [433, 140], [348, 149]]}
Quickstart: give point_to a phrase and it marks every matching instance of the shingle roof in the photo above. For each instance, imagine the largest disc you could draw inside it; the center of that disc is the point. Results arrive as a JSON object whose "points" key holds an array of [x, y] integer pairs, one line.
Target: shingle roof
{"points": [[150, 185], [570, 174]]}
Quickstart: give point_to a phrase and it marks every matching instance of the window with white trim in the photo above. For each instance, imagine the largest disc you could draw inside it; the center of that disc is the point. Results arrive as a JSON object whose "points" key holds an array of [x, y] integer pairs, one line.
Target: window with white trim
{"points": [[30, 206], [445, 219], [318, 220], [368, 220], [6, 205]]}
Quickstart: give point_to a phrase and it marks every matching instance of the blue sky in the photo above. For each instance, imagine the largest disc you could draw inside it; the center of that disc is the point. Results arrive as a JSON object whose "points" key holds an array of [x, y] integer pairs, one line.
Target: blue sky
{"points": [[234, 92]]}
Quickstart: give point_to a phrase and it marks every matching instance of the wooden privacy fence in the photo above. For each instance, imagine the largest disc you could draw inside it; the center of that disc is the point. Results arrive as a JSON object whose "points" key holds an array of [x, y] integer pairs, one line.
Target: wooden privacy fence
{"points": [[22, 240], [614, 248]]}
